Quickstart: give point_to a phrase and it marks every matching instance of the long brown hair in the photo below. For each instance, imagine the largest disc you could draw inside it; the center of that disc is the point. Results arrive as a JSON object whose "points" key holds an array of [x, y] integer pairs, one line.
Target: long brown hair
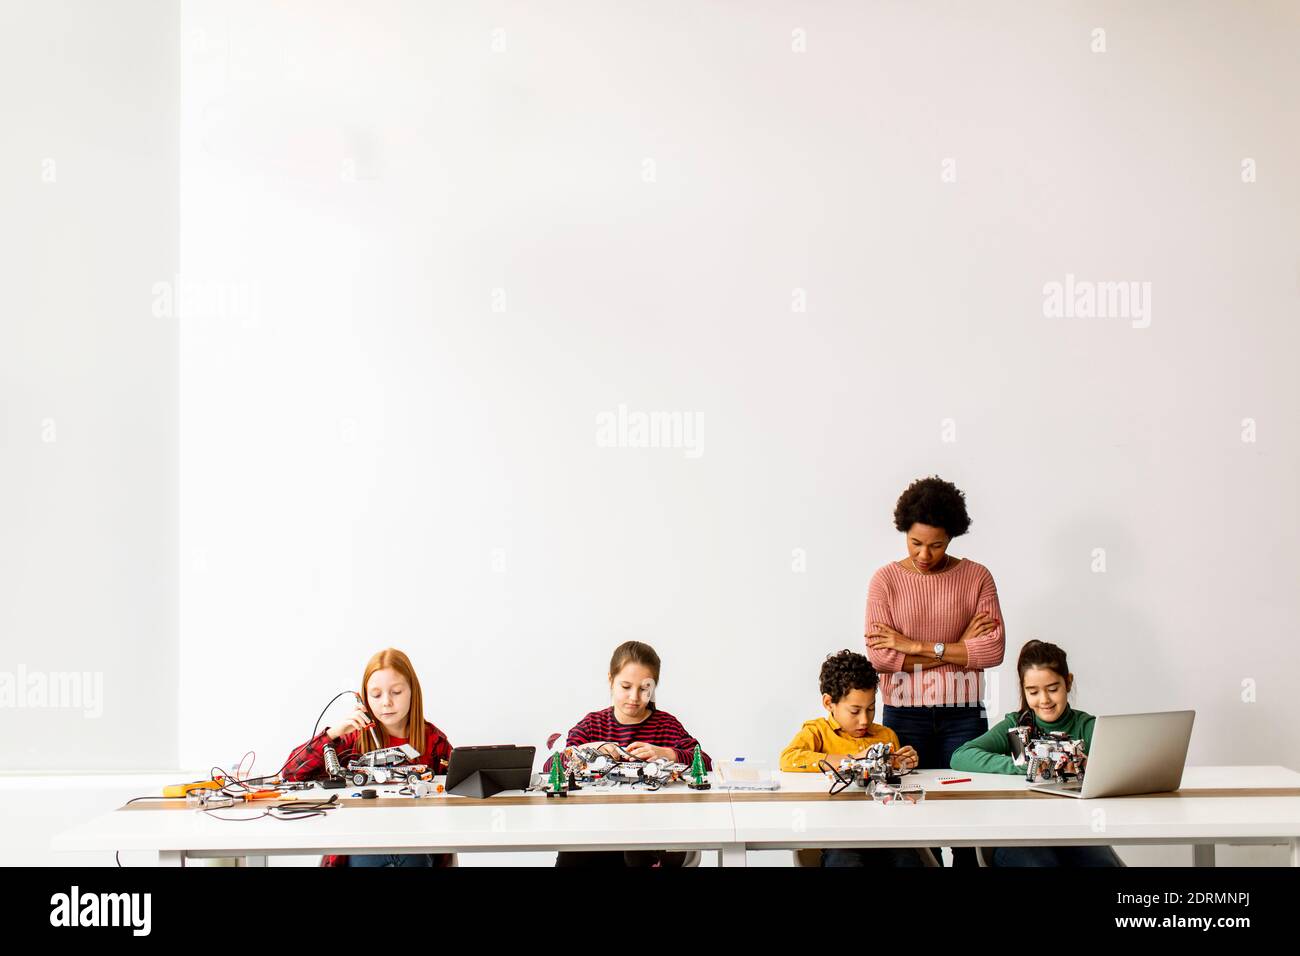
{"points": [[415, 731], [1044, 655]]}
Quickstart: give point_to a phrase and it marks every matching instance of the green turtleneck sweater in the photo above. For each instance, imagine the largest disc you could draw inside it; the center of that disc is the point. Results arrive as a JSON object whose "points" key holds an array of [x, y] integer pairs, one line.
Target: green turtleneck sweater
{"points": [[991, 752]]}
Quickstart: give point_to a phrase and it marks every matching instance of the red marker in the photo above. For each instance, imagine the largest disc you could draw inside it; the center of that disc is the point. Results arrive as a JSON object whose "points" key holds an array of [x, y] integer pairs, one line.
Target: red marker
{"points": [[956, 780]]}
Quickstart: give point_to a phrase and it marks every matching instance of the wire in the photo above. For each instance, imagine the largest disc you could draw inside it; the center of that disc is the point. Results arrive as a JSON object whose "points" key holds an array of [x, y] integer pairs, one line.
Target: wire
{"points": [[314, 730], [839, 784], [117, 854], [231, 781], [249, 783], [292, 811], [134, 799]]}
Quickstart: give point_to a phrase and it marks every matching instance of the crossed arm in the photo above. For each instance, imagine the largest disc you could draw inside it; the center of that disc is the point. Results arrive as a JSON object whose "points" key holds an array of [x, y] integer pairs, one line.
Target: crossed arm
{"points": [[919, 654]]}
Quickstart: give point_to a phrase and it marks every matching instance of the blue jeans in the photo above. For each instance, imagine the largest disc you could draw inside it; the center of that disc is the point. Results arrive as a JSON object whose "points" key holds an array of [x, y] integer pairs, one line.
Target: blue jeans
{"points": [[871, 857], [936, 733], [1052, 856], [392, 859]]}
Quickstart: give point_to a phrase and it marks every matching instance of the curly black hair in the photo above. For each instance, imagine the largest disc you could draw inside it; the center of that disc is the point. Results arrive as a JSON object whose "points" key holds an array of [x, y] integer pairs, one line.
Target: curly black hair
{"points": [[847, 671], [935, 502]]}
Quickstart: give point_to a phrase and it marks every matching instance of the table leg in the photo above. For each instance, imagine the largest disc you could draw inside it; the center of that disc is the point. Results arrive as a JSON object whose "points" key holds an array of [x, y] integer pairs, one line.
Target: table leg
{"points": [[1295, 852], [732, 854], [1203, 854]]}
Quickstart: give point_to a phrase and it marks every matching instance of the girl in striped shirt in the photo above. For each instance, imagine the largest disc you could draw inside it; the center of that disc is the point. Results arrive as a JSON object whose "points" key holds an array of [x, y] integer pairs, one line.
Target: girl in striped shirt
{"points": [[632, 725]]}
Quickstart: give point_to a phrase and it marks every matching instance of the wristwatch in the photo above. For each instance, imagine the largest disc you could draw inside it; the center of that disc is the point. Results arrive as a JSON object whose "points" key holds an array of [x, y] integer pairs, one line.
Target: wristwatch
{"points": [[938, 652]]}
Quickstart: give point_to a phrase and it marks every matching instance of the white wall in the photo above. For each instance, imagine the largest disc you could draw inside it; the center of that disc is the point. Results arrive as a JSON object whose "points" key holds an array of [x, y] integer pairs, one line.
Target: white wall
{"points": [[372, 452], [89, 95], [361, 447]]}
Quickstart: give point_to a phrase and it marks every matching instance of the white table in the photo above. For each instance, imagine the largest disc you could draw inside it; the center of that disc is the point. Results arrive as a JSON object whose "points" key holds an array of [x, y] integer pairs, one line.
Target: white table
{"points": [[676, 818], [1215, 805]]}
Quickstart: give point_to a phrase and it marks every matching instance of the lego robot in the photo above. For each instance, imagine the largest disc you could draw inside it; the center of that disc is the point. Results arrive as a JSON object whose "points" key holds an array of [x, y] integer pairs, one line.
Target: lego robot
{"points": [[389, 765], [1048, 755], [875, 768]]}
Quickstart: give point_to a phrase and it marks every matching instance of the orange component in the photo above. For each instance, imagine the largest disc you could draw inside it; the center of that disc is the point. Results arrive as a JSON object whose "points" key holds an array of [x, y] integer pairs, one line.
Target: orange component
{"points": [[180, 789]]}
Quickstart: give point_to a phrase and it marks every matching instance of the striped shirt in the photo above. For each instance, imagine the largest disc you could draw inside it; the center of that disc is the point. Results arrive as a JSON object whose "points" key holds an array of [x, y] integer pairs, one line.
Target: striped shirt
{"points": [[934, 608], [660, 729]]}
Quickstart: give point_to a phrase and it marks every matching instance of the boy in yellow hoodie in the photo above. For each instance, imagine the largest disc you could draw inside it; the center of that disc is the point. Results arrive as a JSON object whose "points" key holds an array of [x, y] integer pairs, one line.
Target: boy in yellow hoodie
{"points": [[848, 685]]}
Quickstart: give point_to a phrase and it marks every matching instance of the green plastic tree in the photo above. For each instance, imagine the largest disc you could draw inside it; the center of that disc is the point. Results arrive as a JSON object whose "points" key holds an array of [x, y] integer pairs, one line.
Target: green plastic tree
{"points": [[697, 765], [557, 772]]}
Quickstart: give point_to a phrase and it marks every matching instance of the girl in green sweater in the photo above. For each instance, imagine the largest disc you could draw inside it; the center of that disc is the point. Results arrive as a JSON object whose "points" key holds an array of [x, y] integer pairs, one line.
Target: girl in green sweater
{"points": [[1045, 682]]}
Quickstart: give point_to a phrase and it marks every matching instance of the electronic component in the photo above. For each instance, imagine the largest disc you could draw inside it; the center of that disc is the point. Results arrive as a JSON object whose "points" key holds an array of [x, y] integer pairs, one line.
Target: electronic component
{"points": [[875, 768], [332, 766], [184, 789], [1047, 756], [388, 765]]}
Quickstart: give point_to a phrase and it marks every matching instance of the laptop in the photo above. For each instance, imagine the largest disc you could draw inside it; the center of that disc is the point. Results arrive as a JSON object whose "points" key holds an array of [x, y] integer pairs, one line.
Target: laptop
{"points": [[1131, 754]]}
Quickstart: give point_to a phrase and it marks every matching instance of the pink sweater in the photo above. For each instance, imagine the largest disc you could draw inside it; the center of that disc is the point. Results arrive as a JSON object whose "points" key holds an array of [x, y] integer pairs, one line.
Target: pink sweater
{"points": [[931, 608]]}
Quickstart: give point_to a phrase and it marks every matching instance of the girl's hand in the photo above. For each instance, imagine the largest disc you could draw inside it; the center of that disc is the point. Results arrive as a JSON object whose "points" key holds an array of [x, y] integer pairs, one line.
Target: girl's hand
{"points": [[357, 720], [981, 623], [611, 751], [885, 637], [905, 758], [643, 751]]}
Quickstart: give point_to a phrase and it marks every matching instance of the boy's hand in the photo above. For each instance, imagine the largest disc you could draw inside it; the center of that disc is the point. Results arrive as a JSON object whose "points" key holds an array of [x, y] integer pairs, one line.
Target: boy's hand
{"points": [[905, 758]]}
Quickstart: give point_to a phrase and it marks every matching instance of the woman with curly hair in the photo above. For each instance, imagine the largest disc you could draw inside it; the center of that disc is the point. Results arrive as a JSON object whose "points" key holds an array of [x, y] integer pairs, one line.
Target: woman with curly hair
{"points": [[933, 627]]}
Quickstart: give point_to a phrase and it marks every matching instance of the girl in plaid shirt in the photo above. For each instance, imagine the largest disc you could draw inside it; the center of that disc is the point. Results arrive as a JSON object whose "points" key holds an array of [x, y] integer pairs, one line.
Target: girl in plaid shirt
{"points": [[396, 706]]}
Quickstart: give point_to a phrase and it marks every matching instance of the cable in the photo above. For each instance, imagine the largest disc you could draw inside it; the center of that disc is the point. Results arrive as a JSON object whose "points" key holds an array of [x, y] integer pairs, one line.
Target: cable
{"points": [[250, 783], [293, 811], [839, 784], [314, 730], [134, 799], [117, 854]]}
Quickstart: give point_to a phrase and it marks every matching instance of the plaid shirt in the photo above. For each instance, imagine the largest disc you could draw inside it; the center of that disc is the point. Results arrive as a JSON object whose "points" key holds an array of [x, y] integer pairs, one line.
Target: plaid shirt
{"points": [[307, 762]]}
